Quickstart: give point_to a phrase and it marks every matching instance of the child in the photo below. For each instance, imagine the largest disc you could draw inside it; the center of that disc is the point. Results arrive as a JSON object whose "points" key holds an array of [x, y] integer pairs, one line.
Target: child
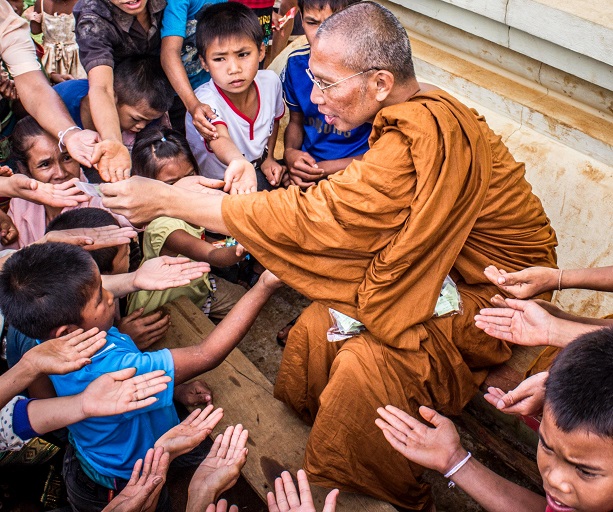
{"points": [[108, 32], [575, 451], [247, 102], [181, 63], [142, 95], [70, 295], [314, 149], [56, 24], [164, 155]]}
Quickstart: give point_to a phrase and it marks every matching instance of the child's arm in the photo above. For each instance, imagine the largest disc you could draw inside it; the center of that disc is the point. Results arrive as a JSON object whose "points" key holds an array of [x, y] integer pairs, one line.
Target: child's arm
{"points": [[339, 164], [439, 448], [112, 393], [113, 158], [211, 351], [535, 280], [156, 274], [301, 166], [35, 26], [227, 152], [272, 169], [175, 71], [181, 242], [57, 356]]}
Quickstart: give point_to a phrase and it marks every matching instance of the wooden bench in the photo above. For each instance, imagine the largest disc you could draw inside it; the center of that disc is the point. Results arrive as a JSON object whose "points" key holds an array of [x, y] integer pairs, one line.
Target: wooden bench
{"points": [[277, 437]]}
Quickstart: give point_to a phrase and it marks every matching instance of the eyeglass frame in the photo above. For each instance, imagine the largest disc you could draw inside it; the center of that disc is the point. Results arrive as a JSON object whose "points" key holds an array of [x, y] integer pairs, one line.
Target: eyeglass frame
{"points": [[322, 89]]}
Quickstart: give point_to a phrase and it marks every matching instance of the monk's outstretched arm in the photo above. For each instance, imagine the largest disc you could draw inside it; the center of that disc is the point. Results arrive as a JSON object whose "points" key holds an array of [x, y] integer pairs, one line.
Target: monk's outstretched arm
{"points": [[141, 200]]}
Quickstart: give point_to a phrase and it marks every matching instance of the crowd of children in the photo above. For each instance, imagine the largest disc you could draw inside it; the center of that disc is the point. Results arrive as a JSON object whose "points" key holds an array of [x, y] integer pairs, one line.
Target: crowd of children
{"points": [[176, 92]]}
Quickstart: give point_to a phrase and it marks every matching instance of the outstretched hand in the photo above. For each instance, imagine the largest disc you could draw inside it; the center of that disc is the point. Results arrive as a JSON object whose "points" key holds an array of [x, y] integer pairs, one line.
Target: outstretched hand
{"points": [[80, 144], [112, 160], [59, 196], [66, 354], [91, 239], [120, 392], [287, 499], [526, 283], [221, 468], [137, 199], [240, 177], [201, 185], [190, 432], [143, 490], [436, 447], [523, 322], [526, 399], [168, 272]]}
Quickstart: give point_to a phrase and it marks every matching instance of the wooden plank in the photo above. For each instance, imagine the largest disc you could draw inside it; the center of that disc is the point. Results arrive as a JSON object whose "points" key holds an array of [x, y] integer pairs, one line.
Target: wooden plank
{"points": [[277, 437]]}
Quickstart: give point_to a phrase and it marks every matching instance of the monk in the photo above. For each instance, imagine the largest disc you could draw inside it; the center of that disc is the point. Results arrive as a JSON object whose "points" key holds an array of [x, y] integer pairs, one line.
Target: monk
{"points": [[438, 193]]}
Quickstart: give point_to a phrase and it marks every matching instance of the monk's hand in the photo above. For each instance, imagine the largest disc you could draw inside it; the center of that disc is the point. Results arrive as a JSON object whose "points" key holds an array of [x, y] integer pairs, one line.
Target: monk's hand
{"points": [[302, 168], [112, 160], [201, 185], [436, 447], [287, 499], [138, 199], [240, 177], [190, 432], [67, 353], [120, 392], [523, 322], [525, 283], [527, 399], [166, 272]]}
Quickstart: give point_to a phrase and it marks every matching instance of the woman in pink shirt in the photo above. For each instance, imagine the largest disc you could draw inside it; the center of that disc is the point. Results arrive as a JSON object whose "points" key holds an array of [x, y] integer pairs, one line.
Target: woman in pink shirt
{"points": [[38, 156]]}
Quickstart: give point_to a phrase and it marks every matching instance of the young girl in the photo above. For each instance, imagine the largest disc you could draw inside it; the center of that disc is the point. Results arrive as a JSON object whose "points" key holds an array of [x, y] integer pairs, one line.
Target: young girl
{"points": [[55, 20], [37, 155], [163, 154]]}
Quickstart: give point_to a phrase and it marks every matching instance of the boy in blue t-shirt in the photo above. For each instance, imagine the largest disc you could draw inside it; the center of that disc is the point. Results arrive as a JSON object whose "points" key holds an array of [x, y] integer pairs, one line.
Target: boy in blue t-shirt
{"points": [[314, 149], [48, 290]]}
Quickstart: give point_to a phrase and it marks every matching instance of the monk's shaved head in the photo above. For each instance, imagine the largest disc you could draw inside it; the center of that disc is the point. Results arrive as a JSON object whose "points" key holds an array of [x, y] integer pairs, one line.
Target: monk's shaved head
{"points": [[373, 38]]}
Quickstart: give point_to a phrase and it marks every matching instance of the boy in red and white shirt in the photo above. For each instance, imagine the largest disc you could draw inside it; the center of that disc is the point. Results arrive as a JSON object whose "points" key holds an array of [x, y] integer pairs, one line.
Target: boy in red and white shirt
{"points": [[248, 102]]}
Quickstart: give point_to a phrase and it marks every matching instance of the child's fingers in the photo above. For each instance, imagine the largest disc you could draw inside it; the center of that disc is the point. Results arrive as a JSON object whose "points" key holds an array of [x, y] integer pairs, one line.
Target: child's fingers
{"points": [[236, 434], [216, 446], [280, 497], [136, 472], [194, 414], [305, 489], [272, 502], [214, 418], [225, 442], [293, 499], [200, 420], [398, 419]]}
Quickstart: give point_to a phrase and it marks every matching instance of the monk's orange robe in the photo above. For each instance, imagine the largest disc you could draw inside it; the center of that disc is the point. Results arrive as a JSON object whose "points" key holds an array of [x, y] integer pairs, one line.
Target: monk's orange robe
{"points": [[438, 193]]}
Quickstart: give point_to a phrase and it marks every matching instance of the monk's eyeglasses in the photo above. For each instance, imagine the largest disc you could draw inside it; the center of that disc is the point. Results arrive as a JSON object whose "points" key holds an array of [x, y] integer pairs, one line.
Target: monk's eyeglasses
{"points": [[322, 88]]}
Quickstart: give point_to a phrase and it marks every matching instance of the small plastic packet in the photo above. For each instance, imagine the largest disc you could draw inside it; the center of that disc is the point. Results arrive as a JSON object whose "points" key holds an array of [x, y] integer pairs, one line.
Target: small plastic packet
{"points": [[449, 301], [343, 326]]}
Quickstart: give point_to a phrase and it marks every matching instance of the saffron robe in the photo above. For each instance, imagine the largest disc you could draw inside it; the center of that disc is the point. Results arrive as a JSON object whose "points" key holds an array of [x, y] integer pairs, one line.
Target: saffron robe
{"points": [[438, 193]]}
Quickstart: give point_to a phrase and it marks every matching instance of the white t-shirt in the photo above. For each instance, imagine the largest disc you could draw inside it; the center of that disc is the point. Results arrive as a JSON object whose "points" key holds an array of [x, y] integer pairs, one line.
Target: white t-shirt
{"points": [[249, 135]]}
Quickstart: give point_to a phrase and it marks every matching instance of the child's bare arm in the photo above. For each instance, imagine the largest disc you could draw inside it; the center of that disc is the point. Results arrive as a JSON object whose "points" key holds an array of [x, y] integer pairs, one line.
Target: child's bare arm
{"points": [[175, 71], [211, 351], [333, 166], [181, 242], [240, 174], [272, 169], [439, 448], [114, 162]]}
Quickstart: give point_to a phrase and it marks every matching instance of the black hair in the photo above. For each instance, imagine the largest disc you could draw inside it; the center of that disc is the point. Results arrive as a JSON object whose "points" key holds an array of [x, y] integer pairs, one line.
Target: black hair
{"points": [[155, 144], [142, 78], [319, 5], [46, 286], [580, 385], [89, 218], [224, 21], [25, 130]]}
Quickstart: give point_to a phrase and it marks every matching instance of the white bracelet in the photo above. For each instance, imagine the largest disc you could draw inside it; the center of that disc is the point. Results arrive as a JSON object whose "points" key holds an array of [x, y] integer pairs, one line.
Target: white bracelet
{"points": [[457, 468], [62, 134]]}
